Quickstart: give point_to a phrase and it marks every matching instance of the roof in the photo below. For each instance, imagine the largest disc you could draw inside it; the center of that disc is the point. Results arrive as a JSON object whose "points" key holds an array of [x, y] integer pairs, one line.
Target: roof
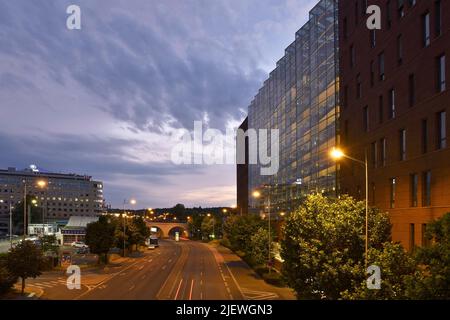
{"points": [[80, 222]]}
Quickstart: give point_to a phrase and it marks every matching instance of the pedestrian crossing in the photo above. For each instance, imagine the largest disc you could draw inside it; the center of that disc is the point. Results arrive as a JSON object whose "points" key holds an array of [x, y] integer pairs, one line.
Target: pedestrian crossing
{"points": [[258, 295], [48, 284]]}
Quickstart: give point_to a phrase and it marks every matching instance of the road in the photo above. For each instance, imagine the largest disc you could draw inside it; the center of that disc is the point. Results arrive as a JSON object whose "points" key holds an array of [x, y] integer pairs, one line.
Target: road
{"points": [[185, 270]]}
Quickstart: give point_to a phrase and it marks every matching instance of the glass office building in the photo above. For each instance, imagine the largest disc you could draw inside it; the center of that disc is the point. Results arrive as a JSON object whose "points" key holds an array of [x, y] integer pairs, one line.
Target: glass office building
{"points": [[300, 98]]}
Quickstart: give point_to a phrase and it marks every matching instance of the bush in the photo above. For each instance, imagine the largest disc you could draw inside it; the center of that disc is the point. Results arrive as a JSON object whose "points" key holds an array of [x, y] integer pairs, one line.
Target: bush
{"points": [[225, 242], [261, 270]]}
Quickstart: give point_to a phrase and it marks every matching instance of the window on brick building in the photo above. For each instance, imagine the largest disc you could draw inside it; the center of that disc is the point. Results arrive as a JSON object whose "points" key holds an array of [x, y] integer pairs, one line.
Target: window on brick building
{"points": [[438, 17], [383, 145], [400, 49], [402, 144], [414, 189], [358, 86], [441, 130], [392, 104], [426, 29], [426, 189], [441, 73], [401, 8]]}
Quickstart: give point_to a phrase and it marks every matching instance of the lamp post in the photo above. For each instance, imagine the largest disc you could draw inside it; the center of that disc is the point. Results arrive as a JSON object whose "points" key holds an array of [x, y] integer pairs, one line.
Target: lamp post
{"points": [[338, 154], [132, 202], [42, 184]]}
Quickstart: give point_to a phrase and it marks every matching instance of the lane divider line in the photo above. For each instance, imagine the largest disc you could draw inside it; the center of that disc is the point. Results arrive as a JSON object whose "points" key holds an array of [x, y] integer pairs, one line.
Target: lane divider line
{"points": [[178, 290]]}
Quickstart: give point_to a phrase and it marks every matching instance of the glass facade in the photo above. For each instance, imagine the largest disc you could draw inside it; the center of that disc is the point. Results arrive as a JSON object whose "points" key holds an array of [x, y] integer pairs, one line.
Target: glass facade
{"points": [[300, 98]]}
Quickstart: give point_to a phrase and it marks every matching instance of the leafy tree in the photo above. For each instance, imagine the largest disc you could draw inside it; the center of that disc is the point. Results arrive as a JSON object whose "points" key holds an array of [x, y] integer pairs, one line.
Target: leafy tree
{"points": [[137, 232], [7, 280], [395, 265], [432, 278], [208, 226], [239, 229], [100, 237], [49, 244], [323, 245], [195, 225], [25, 261], [179, 210], [259, 245]]}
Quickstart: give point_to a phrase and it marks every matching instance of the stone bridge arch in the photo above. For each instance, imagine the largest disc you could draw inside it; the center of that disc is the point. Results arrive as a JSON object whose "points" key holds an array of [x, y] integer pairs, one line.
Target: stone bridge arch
{"points": [[166, 228]]}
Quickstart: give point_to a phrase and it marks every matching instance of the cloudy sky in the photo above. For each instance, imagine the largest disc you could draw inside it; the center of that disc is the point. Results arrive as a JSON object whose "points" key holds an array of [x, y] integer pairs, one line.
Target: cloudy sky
{"points": [[104, 100]]}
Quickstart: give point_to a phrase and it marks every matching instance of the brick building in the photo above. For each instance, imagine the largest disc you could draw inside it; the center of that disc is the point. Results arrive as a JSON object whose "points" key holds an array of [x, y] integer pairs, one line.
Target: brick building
{"points": [[396, 105]]}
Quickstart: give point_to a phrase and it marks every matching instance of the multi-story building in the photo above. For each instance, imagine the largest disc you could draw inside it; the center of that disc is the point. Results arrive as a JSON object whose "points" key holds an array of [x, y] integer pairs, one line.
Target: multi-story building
{"points": [[300, 98], [395, 107], [62, 196]]}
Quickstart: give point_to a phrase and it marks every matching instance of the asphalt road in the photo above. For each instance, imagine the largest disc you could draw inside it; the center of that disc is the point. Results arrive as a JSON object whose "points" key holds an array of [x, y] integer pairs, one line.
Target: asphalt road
{"points": [[184, 270]]}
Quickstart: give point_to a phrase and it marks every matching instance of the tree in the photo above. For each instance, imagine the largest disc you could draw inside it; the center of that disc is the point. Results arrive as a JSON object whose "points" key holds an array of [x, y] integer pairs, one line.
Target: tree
{"points": [[100, 237], [208, 226], [25, 261], [395, 265], [259, 245], [179, 210], [7, 280], [137, 232], [323, 245], [239, 229], [432, 277]]}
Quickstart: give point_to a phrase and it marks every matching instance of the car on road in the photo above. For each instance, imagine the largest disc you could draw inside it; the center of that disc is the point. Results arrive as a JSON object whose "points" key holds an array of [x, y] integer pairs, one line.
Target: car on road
{"points": [[78, 244], [151, 247]]}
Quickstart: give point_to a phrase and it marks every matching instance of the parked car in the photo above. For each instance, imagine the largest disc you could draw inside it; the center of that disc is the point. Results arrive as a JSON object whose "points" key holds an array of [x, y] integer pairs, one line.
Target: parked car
{"points": [[83, 250], [78, 244], [151, 247]]}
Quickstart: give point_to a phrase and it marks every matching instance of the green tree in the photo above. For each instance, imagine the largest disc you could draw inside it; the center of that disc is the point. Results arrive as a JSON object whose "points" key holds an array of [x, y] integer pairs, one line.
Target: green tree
{"points": [[137, 232], [395, 265], [323, 245], [25, 261], [7, 280], [100, 237], [432, 277], [208, 226], [239, 229], [260, 246]]}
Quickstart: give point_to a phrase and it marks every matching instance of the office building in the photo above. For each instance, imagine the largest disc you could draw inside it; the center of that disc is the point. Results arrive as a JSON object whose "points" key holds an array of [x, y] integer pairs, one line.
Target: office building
{"points": [[62, 196], [300, 98], [395, 106]]}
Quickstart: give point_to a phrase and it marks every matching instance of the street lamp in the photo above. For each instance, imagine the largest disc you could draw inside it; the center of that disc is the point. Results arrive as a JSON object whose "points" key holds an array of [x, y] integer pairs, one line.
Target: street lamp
{"points": [[132, 202], [42, 184], [338, 154]]}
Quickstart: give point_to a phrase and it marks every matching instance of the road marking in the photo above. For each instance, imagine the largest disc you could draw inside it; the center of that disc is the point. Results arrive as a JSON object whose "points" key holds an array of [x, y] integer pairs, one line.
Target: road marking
{"points": [[163, 267], [141, 267], [31, 295], [170, 260], [143, 277], [132, 287], [192, 287], [178, 290]]}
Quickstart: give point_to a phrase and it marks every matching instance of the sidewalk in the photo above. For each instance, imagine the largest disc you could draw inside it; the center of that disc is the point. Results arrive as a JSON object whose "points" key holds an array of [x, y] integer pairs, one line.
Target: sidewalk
{"points": [[252, 286]]}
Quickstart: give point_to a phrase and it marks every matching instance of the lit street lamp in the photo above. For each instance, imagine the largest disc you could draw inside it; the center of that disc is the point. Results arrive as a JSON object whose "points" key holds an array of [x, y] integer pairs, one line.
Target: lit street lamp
{"points": [[132, 202], [338, 154]]}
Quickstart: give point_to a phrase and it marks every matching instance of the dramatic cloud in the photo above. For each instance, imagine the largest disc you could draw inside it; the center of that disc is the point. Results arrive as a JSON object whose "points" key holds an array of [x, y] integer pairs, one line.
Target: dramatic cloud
{"points": [[102, 100]]}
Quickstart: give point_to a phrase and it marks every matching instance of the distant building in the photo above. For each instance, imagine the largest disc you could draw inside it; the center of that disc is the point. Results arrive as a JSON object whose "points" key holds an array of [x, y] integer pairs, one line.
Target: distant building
{"points": [[64, 195], [395, 107], [75, 230], [300, 98], [242, 175]]}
